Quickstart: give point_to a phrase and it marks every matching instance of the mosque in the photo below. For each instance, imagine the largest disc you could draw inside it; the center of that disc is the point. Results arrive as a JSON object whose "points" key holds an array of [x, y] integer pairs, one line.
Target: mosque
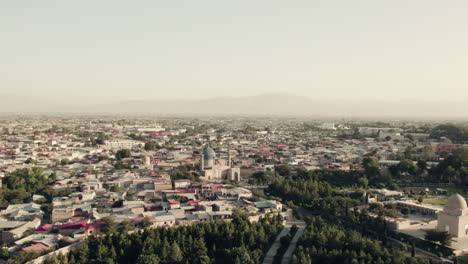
{"points": [[216, 169], [454, 217]]}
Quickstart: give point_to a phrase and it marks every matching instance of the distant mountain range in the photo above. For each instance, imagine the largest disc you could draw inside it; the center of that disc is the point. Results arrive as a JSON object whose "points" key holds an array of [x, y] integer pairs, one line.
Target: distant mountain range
{"points": [[266, 104]]}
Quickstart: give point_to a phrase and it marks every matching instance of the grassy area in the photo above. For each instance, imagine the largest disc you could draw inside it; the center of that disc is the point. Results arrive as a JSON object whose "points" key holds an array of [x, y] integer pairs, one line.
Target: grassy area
{"points": [[436, 201], [430, 199]]}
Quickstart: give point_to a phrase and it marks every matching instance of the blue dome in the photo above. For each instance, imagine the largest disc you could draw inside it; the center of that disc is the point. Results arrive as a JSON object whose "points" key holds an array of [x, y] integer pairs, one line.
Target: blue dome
{"points": [[208, 153]]}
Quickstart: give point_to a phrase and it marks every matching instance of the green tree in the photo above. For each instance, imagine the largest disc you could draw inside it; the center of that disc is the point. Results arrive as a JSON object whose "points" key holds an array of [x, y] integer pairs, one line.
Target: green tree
{"points": [[175, 254], [362, 181], [148, 259], [408, 152], [450, 131], [213, 243], [146, 222], [114, 188], [101, 138], [407, 165], [420, 199], [122, 154], [109, 224], [422, 165], [119, 165], [30, 161], [371, 167], [151, 145], [20, 185], [4, 254], [124, 226], [443, 237], [283, 169]]}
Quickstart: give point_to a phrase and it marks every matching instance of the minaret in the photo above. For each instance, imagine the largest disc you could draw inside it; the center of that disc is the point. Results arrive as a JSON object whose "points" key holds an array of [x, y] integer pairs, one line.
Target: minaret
{"points": [[202, 162], [229, 160], [147, 161]]}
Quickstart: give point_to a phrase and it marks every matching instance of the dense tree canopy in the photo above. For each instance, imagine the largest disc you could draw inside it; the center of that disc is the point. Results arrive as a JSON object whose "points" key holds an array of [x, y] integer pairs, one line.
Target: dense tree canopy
{"points": [[452, 169], [261, 178], [122, 154], [151, 145], [20, 185], [336, 234], [323, 242], [455, 133], [283, 169], [185, 172], [442, 237], [236, 242]]}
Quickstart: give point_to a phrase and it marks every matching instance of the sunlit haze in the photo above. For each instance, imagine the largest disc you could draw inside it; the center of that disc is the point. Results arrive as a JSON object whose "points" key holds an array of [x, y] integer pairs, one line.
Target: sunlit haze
{"points": [[110, 51]]}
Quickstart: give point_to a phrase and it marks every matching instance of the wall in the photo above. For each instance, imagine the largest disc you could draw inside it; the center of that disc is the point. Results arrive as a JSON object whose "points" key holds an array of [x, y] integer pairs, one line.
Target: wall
{"points": [[63, 251]]}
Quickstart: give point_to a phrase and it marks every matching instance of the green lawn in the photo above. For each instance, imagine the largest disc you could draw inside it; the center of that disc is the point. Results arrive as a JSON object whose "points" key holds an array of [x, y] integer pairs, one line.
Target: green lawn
{"points": [[436, 201]]}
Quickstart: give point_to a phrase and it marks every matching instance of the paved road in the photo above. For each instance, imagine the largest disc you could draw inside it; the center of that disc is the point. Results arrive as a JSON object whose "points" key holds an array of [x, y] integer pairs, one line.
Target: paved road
{"points": [[420, 253], [292, 246], [276, 245], [287, 227]]}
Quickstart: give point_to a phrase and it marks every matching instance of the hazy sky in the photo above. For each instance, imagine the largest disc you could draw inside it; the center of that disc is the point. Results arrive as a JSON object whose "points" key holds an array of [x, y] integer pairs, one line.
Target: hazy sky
{"points": [[113, 50]]}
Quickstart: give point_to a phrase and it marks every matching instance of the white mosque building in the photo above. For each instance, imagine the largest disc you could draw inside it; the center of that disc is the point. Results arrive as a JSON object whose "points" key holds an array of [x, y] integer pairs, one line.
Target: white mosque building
{"points": [[215, 169], [454, 217]]}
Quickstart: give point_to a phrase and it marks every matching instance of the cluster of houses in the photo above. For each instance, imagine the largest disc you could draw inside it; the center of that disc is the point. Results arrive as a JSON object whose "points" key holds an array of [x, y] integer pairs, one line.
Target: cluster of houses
{"points": [[78, 215], [215, 156]]}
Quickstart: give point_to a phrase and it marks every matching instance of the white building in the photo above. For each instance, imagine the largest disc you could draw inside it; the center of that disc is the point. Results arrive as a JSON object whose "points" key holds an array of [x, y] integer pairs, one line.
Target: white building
{"points": [[454, 217], [329, 126], [214, 169], [123, 144]]}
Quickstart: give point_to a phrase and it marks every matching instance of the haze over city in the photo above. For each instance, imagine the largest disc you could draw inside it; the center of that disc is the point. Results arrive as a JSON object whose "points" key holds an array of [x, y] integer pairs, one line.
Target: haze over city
{"points": [[105, 52]]}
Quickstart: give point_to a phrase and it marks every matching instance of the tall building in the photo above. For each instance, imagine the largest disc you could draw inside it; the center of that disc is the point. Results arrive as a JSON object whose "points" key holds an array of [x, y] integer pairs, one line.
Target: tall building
{"points": [[147, 163]]}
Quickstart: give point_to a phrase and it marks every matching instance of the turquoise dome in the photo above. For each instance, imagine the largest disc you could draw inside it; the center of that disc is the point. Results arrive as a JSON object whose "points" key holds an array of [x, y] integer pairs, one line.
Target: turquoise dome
{"points": [[208, 153]]}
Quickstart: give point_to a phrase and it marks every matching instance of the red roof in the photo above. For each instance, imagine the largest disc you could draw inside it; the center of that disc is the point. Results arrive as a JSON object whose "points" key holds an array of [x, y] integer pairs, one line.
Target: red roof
{"points": [[95, 225], [45, 227], [139, 219], [73, 225], [173, 201], [194, 202]]}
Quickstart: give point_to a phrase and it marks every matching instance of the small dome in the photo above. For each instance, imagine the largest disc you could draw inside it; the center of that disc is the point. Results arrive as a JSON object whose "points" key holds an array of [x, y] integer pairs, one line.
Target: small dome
{"points": [[208, 153], [456, 201]]}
